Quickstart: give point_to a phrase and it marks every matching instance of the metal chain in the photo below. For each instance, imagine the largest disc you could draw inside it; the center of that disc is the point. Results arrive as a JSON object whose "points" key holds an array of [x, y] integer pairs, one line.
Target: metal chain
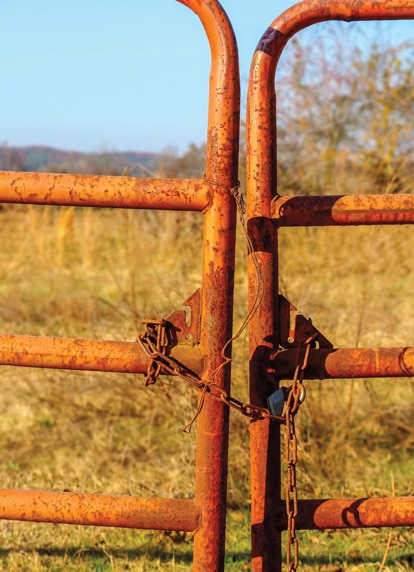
{"points": [[295, 398], [154, 343]]}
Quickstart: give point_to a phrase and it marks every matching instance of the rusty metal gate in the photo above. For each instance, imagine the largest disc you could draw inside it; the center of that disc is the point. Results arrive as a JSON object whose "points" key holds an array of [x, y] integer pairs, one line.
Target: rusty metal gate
{"points": [[197, 344], [281, 349], [200, 349]]}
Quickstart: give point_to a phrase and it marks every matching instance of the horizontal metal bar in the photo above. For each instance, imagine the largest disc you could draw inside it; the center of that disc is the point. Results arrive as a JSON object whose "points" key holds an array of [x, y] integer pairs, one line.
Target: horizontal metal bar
{"points": [[103, 191], [91, 355], [344, 210], [347, 363], [99, 510], [350, 513]]}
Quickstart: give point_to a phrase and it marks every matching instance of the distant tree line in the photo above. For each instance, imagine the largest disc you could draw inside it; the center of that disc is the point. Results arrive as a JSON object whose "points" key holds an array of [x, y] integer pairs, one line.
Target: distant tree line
{"points": [[345, 125], [346, 115], [49, 159]]}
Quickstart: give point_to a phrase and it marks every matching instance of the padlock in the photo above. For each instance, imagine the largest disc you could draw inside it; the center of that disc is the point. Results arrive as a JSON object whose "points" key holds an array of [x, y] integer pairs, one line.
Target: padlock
{"points": [[276, 402]]}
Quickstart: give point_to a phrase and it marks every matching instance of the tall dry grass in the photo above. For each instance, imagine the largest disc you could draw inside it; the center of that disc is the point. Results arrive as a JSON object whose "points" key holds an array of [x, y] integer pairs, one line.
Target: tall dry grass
{"points": [[74, 272], [81, 273], [356, 284], [98, 273]]}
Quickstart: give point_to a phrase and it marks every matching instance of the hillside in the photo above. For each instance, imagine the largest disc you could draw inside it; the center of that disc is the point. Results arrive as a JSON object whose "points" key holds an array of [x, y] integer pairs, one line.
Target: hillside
{"points": [[42, 158]]}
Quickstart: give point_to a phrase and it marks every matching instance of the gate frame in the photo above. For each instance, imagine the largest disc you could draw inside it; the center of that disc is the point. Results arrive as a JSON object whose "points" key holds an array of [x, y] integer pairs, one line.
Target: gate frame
{"points": [[269, 362], [206, 514]]}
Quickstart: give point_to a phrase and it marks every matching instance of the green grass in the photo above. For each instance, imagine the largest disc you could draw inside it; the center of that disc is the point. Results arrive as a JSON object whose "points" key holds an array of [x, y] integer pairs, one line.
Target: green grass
{"points": [[63, 547]]}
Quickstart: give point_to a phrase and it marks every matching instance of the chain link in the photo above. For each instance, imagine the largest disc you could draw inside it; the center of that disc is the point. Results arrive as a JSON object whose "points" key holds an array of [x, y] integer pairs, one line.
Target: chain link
{"points": [[296, 396], [154, 342]]}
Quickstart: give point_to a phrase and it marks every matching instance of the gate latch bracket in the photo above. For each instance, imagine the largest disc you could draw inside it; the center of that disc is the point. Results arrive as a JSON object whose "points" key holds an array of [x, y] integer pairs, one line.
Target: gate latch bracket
{"points": [[295, 328]]}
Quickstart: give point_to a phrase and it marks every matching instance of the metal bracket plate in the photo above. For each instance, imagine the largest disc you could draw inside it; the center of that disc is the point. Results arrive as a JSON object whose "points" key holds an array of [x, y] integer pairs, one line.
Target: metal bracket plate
{"points": [[185, 321], [295, 328]]}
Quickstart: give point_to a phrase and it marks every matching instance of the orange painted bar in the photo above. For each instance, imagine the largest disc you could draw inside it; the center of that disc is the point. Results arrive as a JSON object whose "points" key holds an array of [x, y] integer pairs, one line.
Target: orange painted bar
{"points": [[68, 353], [99, 510], [344, 210], [351, 513], [217, 282], [347, 363], [103, 191], [90, 355]]}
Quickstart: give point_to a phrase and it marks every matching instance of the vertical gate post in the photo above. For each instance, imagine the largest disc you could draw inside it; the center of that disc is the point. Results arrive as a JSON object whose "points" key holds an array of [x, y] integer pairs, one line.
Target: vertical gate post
{"points": [[261, 191], [218, 279], [263, 331], [213, 195]]}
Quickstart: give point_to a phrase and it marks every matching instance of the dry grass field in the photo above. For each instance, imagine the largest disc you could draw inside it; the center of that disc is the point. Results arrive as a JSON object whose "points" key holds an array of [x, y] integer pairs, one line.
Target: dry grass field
{"points": [[97, 274]]}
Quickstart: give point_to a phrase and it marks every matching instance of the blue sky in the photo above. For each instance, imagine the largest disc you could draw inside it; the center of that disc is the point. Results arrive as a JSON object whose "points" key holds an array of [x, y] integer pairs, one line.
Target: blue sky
{"points": [[113, 74]]}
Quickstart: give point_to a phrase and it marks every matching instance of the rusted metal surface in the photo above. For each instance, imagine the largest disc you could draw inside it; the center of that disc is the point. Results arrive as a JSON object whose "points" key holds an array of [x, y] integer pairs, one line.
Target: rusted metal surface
{"points": [[217, 281], [262, 191], [185, 322], [344, 210], [351, 513], [294, 399], [213, 196], [152, 341], [261, 106], [306, 13], [99, 510], [103, 191], [90, 355], [295, 328], [347, 363]]}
